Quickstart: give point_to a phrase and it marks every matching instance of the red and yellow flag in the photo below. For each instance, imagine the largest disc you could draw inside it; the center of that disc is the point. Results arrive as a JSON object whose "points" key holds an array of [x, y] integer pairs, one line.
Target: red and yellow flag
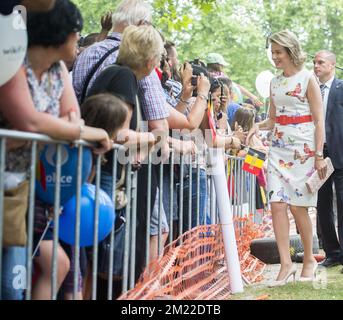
{"points": [[211, 119], [254, 161]]}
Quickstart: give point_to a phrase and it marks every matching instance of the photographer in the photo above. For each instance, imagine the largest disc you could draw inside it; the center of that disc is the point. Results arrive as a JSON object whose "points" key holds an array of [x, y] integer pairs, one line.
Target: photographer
{"points": [[189, 112], [184, 118]]}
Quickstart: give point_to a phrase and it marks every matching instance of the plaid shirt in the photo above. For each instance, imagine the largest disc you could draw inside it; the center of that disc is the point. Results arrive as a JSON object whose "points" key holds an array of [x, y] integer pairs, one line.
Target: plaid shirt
{"points": [[152, 98], [151, 95], [87, 60]]}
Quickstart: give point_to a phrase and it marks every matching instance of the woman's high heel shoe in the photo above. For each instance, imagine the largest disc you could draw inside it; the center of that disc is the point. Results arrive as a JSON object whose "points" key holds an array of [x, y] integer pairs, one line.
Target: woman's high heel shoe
{"points": [[278, 283], [306, 279]]}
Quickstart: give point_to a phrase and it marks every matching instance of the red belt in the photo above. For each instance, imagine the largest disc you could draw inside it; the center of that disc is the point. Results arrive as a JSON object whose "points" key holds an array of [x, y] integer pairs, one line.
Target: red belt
{"points": [[283, 120]]}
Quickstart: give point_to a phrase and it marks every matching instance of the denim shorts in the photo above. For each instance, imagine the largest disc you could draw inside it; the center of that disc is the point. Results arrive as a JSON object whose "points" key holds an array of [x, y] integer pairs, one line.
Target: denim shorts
{"points": [[167, 197]]}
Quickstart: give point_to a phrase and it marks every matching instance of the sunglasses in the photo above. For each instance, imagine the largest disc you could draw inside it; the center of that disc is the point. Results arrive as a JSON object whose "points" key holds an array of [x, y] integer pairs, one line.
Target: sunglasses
{"points": [[144, 22]]}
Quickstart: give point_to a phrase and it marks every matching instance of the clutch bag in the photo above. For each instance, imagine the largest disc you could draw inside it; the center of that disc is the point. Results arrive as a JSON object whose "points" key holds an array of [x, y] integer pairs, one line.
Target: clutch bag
{"points": [[314, 183]]}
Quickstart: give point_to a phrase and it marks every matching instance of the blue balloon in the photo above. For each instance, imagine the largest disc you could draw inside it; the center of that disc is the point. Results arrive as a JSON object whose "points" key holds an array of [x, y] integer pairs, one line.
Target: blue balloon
{"points": [[46, 172], [68, 217]]}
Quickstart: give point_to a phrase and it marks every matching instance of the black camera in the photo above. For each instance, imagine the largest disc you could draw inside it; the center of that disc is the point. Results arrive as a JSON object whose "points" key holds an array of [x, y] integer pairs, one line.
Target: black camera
{"points": [[197, 71], [194, 81], [81, 41]]}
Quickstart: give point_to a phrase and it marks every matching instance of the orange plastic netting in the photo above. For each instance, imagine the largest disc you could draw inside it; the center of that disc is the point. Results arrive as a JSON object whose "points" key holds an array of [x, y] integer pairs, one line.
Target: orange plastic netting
{"points": [[194, 267]]}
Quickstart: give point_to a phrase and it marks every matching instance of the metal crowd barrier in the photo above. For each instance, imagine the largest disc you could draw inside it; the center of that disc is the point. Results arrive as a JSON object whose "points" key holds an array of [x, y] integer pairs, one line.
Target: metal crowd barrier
{"points": [[241, 188]]}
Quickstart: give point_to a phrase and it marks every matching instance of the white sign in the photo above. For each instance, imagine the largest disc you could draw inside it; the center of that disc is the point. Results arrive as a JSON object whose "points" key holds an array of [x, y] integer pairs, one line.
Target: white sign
{"points": [[13, 43]]}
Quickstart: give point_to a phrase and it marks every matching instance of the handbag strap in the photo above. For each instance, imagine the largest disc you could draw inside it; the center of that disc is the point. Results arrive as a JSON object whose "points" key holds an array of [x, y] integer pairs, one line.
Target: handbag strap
{"points": [[95, 68], [42, 237]]}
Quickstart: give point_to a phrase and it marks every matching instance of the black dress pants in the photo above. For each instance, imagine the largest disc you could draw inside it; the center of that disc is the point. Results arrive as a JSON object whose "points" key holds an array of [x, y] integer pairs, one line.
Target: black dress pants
{"points": [[332, 245]]}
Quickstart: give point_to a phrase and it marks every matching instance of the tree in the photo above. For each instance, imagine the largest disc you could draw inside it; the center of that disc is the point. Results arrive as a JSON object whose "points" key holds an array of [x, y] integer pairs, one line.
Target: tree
{"points": [[237, 28], [92, 10]]}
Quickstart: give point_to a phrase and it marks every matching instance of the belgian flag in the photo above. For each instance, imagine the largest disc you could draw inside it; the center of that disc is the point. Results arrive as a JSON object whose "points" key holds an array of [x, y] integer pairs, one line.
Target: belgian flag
{"points": [[254, 161], [210, 115]]}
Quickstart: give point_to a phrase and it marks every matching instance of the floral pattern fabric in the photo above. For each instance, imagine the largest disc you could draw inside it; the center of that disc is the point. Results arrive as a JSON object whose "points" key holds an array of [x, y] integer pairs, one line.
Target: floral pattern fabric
{"points": [[46, 95], [291, 156]]}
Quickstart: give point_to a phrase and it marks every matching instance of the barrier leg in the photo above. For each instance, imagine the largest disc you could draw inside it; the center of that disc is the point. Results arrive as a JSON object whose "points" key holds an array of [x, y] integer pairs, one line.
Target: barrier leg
{"points": [[225, 215]]}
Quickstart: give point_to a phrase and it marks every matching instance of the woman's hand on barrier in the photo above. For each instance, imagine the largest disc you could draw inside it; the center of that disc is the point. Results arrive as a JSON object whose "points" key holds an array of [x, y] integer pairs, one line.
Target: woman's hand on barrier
{"points": [[151, 140], [105, 145], [138, 158], [97, 135], [184, 147], [241, 153], [321, 167], [165, 152], [188, 147], [142, 153]]}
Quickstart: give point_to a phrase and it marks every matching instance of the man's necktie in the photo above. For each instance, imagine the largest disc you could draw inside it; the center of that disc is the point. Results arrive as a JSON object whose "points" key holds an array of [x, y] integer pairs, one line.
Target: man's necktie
{"points": [[322, 90]]}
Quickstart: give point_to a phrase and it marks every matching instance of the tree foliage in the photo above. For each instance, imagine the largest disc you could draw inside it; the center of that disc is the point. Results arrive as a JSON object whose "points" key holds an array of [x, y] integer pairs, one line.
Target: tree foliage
{"points": [[237, 28]]}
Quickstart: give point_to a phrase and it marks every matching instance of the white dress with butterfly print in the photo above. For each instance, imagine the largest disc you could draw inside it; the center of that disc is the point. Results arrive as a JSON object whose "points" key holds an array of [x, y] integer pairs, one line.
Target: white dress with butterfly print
{"points": [[291, 156]]}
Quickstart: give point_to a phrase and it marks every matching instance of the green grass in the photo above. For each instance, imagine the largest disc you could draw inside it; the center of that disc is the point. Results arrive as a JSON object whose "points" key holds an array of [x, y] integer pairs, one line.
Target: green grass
{"points": [[328, 286]]}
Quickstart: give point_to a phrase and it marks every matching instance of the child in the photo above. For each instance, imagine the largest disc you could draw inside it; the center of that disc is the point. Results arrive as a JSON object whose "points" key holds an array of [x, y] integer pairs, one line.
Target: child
{"points": [[219, 94], [101, 111], [104, 111], [245, 118]]}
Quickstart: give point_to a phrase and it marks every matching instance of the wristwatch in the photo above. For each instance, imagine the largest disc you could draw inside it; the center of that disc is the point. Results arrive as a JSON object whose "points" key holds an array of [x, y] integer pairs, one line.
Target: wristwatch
{"points": [[202, 96], [185, 101], [319, 154]]}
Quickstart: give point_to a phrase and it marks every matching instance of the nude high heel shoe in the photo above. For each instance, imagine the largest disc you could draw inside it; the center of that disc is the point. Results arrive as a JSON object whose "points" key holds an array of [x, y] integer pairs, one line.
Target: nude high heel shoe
{"points": [[306, 279], [278, 283]]}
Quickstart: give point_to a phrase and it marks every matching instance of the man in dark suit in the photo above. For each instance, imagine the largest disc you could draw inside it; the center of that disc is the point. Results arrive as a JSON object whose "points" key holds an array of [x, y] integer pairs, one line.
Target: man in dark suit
{"points": [[332, 95]]}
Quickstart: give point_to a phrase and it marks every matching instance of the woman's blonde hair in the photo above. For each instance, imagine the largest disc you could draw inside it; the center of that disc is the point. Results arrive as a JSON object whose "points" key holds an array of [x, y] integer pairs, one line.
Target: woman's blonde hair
{"points": [[290, 42], [139, 45]]}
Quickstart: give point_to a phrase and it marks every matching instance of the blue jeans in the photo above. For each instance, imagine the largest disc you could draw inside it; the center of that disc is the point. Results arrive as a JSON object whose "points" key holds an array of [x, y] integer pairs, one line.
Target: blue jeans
{"points": [[13, 275], [203, 214], [167, 197], [106, 183]]}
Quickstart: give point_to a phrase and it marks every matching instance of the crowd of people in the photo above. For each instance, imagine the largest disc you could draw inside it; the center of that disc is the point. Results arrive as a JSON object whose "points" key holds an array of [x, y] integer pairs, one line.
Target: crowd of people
{"points": [[125, 85]]}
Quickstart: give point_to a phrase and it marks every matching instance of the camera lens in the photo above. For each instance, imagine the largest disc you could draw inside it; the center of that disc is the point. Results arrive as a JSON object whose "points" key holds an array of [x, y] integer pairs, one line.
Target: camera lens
{"points": [[194, 80]]}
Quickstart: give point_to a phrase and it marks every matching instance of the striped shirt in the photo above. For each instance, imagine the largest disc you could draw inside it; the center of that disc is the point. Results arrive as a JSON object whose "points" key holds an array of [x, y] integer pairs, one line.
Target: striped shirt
{"points": [[173, 92]]}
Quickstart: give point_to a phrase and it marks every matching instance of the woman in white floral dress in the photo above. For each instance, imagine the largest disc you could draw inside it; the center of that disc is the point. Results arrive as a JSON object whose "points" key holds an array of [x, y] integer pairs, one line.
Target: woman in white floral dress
{"points": [[296, 117]]}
